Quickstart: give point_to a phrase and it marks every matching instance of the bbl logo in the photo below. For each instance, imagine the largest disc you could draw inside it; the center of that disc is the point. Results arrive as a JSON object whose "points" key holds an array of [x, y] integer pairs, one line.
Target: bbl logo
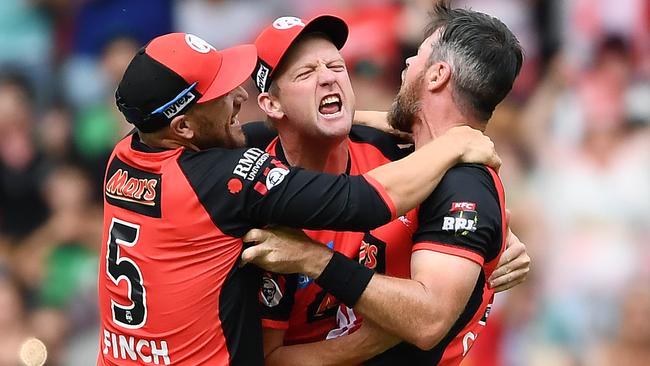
{"points": [[462, 218]]}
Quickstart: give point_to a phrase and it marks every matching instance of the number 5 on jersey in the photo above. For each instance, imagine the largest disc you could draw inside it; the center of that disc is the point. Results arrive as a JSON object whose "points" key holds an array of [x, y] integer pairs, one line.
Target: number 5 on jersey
{"points": [[121, 268]]}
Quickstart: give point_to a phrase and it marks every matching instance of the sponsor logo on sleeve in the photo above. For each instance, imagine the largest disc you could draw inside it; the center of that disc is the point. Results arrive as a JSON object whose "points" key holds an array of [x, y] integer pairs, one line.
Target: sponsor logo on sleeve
{"points": [[235, 185], [275, 177], [133, 189], [461, 219], [250, 163]]}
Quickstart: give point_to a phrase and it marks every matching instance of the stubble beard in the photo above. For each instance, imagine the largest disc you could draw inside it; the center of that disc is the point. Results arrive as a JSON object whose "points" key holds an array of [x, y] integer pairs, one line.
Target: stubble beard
{"points": [[406, 106]]}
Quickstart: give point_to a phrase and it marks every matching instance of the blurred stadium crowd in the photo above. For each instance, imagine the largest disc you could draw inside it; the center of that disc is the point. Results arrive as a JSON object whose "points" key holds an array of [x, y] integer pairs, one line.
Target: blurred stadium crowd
{"points": [[574, 136]]}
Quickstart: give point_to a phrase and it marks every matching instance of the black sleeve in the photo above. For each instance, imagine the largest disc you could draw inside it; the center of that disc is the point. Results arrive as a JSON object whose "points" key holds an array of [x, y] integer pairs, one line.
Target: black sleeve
{"points": [[277, 296], [248, 188], [258, 134], [463, 212]]}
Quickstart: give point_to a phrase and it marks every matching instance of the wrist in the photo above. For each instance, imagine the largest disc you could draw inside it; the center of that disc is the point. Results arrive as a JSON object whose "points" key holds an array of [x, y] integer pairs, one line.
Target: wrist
{"points": [[316, 260], [345, 279]]}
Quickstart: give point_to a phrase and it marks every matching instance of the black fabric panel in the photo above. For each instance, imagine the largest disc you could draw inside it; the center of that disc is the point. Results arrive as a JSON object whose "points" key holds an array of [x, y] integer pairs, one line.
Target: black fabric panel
{"points": [[239, 312], [284, 294], [234, 188], [464, 183], [258, 134]]}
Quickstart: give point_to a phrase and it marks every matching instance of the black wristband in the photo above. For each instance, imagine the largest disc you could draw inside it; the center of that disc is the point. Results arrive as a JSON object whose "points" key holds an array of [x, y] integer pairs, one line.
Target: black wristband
{"points": [[345, 279]]}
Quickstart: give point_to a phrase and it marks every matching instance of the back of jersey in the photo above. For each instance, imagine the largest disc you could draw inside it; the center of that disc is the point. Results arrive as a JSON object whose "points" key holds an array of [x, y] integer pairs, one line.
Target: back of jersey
{"points": [[169, 290]]}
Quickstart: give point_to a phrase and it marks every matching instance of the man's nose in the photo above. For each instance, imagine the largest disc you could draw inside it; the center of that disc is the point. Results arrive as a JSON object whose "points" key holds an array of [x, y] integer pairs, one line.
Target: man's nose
{"points": [[326, 76]]}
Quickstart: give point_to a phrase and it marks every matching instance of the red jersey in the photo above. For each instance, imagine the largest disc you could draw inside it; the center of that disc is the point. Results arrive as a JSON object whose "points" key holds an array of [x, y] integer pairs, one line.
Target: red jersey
{"points": [[464, 216], [170, 289], [295, 302], [447, 222]]}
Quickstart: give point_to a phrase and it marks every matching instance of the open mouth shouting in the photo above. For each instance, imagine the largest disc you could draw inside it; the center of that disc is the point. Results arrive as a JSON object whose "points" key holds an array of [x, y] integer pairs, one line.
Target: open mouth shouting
{"points": [[330, 106]]}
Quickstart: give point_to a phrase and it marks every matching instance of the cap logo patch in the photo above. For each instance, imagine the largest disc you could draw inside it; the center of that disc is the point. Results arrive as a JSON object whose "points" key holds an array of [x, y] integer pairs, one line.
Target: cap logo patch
{"points": [[178, 105], [287, 22], [198, 44], [261, 76]]}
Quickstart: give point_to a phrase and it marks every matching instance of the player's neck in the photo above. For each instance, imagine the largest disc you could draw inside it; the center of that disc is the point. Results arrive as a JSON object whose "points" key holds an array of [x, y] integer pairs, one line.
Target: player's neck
{"points": [[316, 155], [437, 117]]}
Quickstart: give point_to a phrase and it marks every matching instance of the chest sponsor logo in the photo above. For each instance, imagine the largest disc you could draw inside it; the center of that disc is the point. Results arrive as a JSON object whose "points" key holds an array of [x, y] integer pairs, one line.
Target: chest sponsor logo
{"points": [[372, 253], [133, 189], [250, 163]]}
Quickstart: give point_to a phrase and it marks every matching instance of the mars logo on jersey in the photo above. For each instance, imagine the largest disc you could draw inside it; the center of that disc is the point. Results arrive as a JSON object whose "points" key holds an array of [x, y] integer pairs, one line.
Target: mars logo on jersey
{"points": [[133, 189], [462, 218]]}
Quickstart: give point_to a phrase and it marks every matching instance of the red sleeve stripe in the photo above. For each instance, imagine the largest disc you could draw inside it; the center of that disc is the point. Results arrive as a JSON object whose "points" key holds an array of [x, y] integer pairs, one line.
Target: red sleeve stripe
{"points": [[448, 249], [275, 324], [502, 202], [384, 195]]}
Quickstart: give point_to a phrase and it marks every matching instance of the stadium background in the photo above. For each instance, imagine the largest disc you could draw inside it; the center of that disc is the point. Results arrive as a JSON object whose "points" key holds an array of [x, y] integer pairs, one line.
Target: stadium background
{"points": [[574, 136]]}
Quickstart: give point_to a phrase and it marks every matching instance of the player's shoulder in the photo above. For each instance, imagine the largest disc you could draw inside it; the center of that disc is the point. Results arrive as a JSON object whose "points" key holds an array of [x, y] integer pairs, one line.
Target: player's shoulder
{"points": [[466, 174], [386, 143], [239, 161]]}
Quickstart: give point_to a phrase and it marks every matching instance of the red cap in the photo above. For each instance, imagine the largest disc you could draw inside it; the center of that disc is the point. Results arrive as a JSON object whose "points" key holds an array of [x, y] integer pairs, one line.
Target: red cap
{"points": [[272, 44], [175, 71]]}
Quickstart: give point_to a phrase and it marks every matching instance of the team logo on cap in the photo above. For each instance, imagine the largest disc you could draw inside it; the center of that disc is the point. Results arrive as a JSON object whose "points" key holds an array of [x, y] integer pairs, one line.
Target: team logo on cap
{"points": [[287, 22], [198, 44]]}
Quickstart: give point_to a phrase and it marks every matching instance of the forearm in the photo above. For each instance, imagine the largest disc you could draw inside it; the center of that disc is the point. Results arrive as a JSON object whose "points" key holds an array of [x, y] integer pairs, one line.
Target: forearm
{"points": [[406, 309], [352, 349], [410, 180]]}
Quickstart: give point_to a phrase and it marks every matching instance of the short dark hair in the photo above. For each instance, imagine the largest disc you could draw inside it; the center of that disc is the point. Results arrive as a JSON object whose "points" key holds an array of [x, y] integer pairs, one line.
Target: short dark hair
{"points": [[484, 55]]}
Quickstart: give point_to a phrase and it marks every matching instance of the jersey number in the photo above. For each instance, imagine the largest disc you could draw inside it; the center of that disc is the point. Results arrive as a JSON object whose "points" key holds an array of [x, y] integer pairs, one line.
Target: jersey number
{"points": [[123, 268]]}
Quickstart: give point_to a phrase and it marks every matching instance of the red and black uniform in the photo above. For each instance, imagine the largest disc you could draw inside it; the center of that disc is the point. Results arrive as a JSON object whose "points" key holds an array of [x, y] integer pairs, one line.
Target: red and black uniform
{"points": [[170, 289], [295, 302], [465, 217]]}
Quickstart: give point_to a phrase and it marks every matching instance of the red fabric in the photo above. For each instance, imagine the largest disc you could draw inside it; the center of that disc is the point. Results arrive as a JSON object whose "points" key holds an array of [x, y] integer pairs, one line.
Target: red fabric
{"points": [[185, 317]]}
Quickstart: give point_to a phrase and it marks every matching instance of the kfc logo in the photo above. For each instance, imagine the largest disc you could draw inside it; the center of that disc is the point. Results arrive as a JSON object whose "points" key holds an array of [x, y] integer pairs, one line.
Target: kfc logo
{"points": [[462, 206]]}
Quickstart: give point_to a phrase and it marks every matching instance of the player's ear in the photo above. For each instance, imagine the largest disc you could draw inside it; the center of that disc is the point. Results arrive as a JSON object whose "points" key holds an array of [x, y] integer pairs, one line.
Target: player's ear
{"points": [[437, 76], [270, 105], [183, 127]]}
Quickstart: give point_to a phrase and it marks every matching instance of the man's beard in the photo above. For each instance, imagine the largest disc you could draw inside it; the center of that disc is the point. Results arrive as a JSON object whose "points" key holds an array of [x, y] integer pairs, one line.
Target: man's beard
{"points": [[406, 106]]}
